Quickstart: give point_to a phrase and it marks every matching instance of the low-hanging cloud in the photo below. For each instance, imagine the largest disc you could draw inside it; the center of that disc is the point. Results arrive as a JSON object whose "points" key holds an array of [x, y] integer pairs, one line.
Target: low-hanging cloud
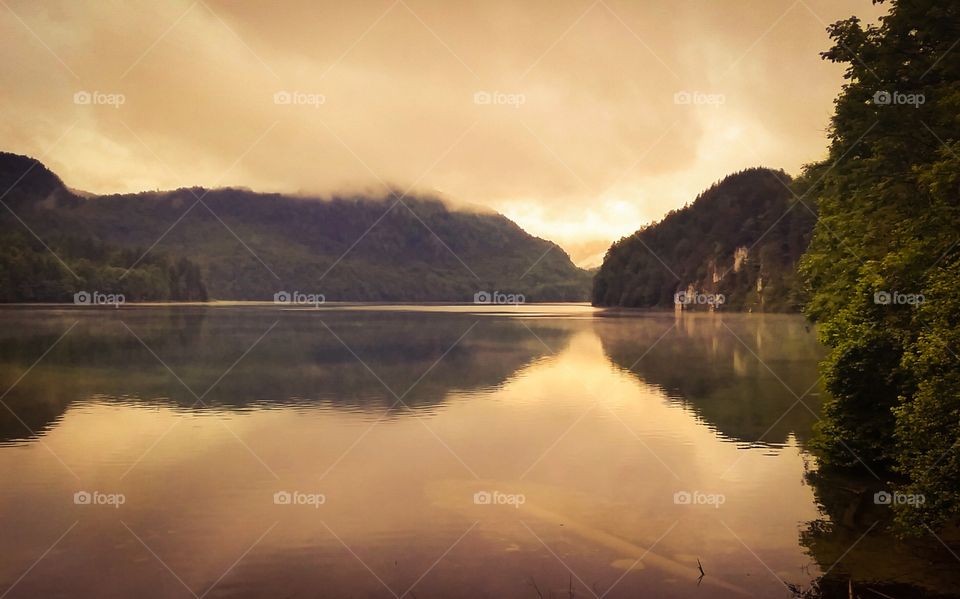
{"points": [[582, 121]]}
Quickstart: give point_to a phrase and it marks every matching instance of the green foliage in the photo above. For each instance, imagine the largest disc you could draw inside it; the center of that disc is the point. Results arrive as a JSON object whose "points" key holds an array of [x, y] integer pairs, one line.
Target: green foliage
{"points": [[888, 200], [752, 210], [928, 421], [31, 273]]}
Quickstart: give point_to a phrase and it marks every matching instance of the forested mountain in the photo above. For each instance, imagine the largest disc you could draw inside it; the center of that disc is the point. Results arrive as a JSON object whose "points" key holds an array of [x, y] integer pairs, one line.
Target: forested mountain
{"points": [[46, 255], [237, 244], [740, 239]]}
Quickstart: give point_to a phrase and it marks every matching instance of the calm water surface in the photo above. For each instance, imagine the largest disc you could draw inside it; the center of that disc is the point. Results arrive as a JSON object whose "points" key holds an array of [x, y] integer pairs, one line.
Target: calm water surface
{"points": [[423, 452]]}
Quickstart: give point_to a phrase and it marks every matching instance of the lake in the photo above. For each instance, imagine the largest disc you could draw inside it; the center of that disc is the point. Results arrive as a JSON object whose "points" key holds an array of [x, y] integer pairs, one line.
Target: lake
{"points": [[435, 451]]}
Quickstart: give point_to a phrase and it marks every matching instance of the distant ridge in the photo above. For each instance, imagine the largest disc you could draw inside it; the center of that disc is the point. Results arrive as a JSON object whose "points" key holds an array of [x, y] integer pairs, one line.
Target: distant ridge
{"points": [[241, 245]]}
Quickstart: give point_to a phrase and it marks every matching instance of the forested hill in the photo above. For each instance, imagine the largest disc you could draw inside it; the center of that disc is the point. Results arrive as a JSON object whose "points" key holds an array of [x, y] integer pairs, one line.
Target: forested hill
{"points": [[741, 239], [237, 244]]}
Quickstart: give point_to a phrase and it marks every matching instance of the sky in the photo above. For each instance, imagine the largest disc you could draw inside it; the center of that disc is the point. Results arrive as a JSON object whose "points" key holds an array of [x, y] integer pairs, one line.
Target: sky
{"points": [[580, 120]]}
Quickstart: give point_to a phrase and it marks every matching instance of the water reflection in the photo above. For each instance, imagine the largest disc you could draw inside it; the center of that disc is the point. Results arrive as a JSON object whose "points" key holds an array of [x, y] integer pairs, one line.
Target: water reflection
{"points": [[242, 358], [883, 561], [599, 423], [753, 377]]}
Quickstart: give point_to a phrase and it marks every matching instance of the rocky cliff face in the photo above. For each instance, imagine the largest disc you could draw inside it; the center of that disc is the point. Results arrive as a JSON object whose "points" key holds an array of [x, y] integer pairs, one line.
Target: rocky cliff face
{"points": [[734, 248]]}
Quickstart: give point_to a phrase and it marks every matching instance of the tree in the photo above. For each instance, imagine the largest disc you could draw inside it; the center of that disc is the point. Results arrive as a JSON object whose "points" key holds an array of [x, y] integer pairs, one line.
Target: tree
{"points": [[884, 263]]}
